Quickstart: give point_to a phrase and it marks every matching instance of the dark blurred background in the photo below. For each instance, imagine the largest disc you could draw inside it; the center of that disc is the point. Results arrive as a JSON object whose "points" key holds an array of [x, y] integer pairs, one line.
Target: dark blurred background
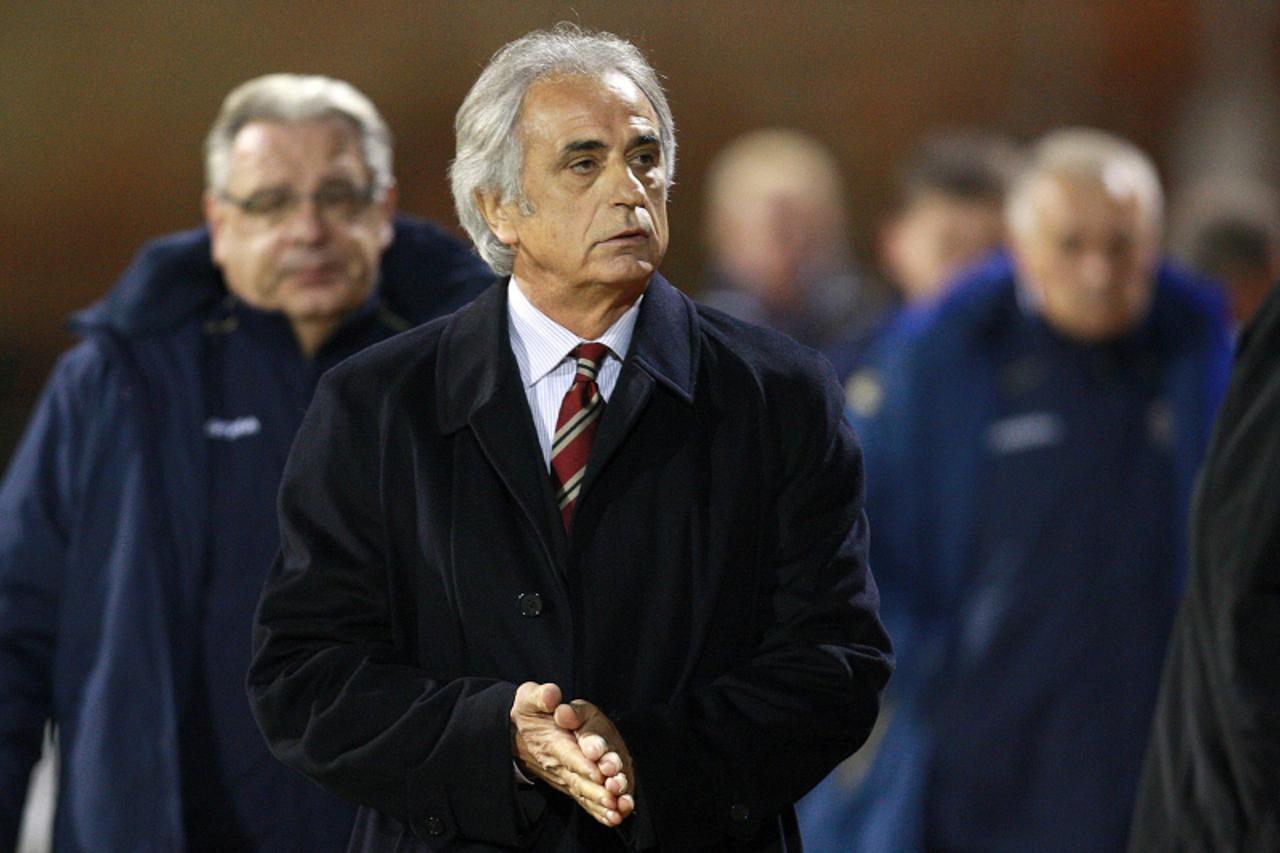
{"points": [[105, 105]]}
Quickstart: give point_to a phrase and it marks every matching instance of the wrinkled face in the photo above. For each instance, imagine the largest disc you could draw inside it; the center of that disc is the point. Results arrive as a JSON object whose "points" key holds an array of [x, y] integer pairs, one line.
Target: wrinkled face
{"points": [[935, 237], [594, 183], [1089, 259], [295, 229]]}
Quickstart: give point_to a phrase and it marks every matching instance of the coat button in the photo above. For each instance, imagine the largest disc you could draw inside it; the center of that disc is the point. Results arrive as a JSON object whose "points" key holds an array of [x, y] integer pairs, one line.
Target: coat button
{"points": [[434, 825], [530, 604], [739, 813]]}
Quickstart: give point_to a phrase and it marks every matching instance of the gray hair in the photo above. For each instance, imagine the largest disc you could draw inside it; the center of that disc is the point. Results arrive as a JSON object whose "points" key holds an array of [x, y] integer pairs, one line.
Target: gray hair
{"points": [[489, 150], [297, 98], [1085, 154]]}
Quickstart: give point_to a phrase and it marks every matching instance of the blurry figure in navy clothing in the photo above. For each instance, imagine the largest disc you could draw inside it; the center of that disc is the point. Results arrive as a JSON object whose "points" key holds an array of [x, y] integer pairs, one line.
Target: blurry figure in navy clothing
{"points": [[1028, 480], [777, 235], [950, 210], [949, 213], [137, 518]]}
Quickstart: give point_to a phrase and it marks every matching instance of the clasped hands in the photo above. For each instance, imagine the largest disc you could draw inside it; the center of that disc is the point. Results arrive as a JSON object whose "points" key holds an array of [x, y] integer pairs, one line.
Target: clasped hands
{"points": [[575, 749]]}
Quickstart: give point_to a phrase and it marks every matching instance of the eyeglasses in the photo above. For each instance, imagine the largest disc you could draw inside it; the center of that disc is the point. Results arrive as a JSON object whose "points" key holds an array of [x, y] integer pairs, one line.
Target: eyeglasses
{"points": [[336, 201]]}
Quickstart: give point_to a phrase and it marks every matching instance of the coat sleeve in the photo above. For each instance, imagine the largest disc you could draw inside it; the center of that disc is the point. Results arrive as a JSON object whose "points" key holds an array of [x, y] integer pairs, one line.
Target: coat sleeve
{"points": [[332, 687], [37, 512], [1240, 538], [723, 760]]}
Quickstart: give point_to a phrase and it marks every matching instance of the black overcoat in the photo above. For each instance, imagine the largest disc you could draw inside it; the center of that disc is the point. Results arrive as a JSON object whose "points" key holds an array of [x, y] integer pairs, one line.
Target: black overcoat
{"points": [[1212, 775], [713, 598]]}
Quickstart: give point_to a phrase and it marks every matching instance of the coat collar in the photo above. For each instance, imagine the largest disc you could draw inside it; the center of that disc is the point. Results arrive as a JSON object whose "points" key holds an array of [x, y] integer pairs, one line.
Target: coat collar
{"points": [[479, 386], [423, 274], [475, 358]]}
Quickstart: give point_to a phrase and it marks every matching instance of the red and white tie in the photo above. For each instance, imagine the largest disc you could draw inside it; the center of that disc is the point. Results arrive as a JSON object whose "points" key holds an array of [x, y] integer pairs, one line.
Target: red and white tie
{"points": [[576, 428]]}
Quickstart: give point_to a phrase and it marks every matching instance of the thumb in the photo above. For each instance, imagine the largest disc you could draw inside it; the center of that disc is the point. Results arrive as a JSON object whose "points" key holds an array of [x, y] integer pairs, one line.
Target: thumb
{"points": [[548, 697], [568, 717]]}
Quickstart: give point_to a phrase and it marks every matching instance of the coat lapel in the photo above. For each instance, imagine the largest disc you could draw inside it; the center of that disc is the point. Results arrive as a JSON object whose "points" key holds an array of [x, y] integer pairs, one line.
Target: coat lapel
{"points": [[481, 388], [664, 351]]}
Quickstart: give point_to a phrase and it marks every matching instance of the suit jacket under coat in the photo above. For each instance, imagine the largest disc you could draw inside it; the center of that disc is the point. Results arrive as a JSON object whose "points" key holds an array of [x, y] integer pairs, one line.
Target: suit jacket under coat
{"points": [[713, 597]]}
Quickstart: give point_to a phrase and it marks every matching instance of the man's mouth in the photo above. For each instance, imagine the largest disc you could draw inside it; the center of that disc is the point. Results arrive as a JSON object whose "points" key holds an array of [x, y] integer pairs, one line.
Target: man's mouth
{"points": [[314, 272], [630, 235]]}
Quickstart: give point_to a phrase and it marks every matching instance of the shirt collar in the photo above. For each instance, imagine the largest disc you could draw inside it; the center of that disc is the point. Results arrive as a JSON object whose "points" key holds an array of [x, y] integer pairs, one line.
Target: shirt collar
{"points": [[546, 343]]}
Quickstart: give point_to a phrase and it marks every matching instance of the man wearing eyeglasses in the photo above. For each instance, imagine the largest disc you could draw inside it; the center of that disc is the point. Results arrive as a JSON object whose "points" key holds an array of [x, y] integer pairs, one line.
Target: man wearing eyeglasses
{"points": [[137, 518]]}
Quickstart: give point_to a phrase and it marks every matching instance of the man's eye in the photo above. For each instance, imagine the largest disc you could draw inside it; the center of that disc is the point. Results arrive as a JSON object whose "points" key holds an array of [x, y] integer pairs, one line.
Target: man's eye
{"points": [[338, 196], [647, 159], [266, 202], [582, 167]]}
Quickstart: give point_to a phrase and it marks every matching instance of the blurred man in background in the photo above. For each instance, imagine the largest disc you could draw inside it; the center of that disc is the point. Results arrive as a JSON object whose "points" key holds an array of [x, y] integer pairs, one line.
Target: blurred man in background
{"points": [[950, 210], [948, 214], [1228, 231], [1027, 482], [777, 235], [137, 517], [1242, 256]]}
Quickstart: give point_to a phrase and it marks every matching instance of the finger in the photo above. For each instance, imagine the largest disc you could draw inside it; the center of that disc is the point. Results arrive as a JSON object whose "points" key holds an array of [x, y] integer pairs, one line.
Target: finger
{"points": [[594, 793], [597, 801], [526, 698], [606, 816], [570, 757], [568, 717], [595, 748], [609, 762], [626, 805], [548, 697], [617, 785]]}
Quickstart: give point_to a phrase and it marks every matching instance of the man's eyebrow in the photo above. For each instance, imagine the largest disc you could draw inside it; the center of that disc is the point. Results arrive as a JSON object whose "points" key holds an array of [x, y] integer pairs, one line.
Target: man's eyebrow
{"points": [[644, 139], [581, 145]]}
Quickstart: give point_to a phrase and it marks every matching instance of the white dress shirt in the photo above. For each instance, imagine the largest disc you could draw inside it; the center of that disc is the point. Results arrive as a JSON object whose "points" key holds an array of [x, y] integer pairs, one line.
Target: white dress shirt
{"points": [[542, 346]]}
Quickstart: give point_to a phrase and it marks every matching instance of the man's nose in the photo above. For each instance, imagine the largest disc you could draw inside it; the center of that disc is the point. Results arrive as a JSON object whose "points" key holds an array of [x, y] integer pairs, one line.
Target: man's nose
{"points": [[628, 187], [306, 223], [1096, 270]]}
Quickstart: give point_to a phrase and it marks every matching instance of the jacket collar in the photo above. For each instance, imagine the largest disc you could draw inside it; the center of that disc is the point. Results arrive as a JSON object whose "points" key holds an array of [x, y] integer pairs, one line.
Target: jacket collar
{"points": [[479, 386], [475, 358], [422, 274]]}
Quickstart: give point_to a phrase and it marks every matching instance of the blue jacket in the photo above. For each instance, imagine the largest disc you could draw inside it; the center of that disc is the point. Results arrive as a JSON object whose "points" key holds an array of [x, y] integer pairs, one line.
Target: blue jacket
{"points": [[1029, 498], [102, 531]]}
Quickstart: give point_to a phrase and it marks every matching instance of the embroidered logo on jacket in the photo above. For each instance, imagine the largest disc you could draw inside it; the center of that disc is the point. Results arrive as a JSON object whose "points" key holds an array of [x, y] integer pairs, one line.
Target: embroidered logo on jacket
{"points": [[231, 429], [1025, 432]]}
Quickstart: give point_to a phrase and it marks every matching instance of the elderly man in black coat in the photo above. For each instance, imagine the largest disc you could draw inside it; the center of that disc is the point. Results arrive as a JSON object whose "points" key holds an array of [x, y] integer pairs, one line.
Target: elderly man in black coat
{"points": [[583, 566]]}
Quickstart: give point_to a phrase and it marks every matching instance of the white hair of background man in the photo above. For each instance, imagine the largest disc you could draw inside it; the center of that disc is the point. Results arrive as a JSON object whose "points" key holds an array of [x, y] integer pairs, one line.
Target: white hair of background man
{"points": [[489, 148], [1085, 155], [295, 98]]}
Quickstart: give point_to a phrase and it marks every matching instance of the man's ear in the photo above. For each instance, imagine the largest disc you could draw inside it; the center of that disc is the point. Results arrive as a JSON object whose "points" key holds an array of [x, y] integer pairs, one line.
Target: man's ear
{"points": [[214, 217], [499, 216]]}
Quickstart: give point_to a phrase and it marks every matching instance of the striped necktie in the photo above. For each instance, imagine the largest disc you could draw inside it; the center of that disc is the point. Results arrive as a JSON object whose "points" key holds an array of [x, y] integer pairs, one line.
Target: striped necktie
{"points": [[576, 428]]}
